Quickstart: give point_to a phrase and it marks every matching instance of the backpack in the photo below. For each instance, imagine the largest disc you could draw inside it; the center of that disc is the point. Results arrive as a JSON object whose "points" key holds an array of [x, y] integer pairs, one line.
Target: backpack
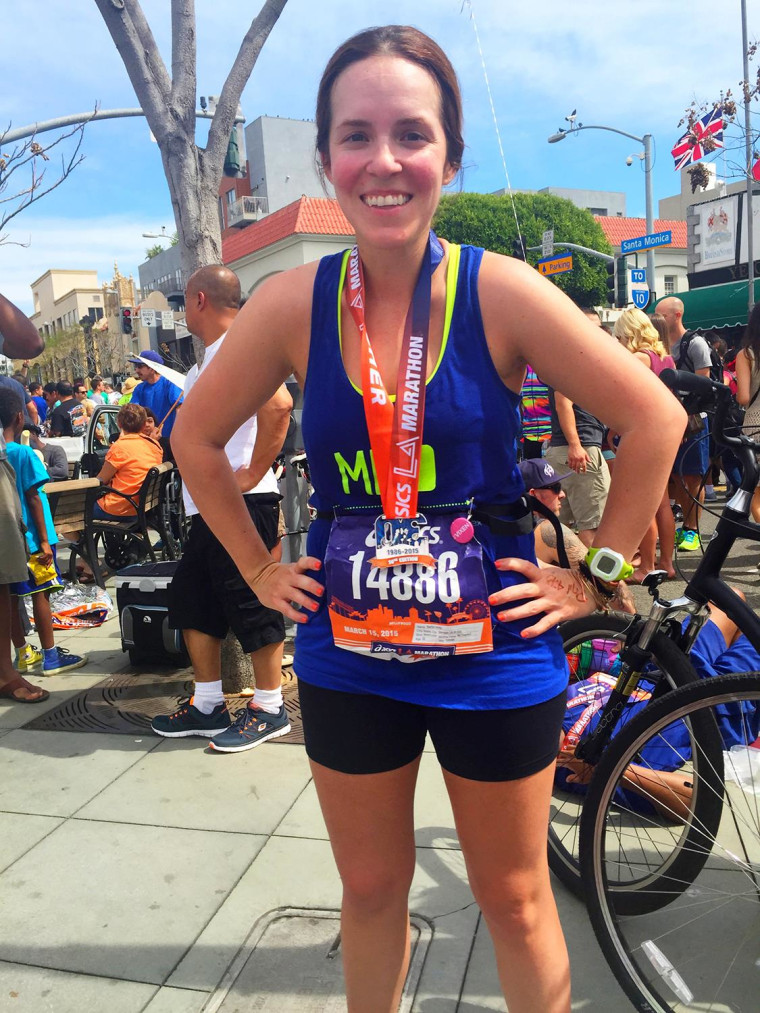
{"points": [[684, 362]]}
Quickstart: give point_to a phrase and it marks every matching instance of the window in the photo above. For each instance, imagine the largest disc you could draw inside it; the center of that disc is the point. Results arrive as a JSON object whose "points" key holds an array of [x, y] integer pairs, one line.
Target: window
{"points": [[96, 298], [670, 284], [599, 211]]}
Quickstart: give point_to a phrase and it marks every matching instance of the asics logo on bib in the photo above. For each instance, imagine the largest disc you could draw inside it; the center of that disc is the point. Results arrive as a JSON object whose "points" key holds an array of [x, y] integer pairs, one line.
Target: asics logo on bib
{"points": [[361, 475]]}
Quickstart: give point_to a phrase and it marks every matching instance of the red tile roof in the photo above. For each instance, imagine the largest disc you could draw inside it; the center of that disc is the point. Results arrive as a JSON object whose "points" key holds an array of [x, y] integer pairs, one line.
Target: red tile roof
{"points": [[617, 229], [311, 216]]}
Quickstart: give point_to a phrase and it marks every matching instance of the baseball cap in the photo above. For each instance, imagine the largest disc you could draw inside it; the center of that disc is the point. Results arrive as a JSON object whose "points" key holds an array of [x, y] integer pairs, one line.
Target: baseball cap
{"points": [[147, 354], [537, 474]]}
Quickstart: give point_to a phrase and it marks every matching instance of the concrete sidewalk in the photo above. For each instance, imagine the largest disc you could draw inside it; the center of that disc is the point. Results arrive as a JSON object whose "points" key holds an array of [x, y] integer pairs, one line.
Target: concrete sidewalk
{"points": [[143, 874]]}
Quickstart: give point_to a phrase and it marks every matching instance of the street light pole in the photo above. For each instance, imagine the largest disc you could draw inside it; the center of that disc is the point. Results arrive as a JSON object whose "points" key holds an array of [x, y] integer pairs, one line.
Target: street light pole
{"points": [[646, 140], [749, 217]]}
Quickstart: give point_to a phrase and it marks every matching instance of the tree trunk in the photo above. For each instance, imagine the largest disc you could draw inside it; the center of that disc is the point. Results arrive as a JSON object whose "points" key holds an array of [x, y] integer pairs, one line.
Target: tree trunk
{"points": [[237, 673], [192, 173]]}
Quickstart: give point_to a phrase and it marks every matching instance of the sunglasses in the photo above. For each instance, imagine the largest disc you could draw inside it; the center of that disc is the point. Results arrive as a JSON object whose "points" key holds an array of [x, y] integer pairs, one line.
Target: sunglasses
{"points": [[556, 488]]}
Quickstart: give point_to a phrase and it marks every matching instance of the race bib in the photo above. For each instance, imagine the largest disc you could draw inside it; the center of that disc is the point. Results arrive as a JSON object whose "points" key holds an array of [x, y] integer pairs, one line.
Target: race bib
{"points": [[410, 612]]}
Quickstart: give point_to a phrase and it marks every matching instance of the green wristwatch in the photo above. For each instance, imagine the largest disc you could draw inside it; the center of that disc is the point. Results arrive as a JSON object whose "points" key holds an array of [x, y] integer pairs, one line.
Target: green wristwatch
{"points": [[608, 565]]}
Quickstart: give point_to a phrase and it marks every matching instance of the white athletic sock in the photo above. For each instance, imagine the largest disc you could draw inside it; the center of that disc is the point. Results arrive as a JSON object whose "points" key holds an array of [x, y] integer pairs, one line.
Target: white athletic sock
{"points": [[269, 700], [207, 696]]}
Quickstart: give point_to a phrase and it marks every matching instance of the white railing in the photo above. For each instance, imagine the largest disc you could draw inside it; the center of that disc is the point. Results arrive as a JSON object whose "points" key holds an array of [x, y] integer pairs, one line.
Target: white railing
{"points": [[246, 210]]}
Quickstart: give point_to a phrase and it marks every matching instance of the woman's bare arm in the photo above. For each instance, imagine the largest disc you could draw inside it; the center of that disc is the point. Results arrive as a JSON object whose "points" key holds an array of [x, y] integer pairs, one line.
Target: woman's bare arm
{"points": [[743, 377]]}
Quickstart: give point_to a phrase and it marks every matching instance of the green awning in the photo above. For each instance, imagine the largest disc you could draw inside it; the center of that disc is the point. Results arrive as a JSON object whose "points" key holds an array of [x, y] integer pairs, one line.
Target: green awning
{"points": [[716, 305]]}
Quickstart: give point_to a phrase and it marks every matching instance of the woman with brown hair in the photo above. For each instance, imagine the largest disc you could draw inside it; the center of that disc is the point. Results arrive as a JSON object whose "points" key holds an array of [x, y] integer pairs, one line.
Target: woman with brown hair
{"points": [[643, 337], [127, 463], [420, 608]]}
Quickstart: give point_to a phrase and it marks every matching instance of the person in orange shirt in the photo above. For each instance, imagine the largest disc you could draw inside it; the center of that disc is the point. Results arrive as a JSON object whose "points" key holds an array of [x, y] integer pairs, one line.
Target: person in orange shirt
{"points": [[127, 463]]}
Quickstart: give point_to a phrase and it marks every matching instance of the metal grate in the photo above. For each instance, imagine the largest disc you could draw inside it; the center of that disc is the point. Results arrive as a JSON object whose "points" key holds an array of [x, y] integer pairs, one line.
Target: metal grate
{"points": [[125, 704]]}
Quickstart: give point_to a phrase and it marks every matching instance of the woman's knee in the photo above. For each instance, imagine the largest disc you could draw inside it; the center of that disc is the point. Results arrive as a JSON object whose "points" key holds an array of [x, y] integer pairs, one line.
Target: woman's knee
{"points": [[376, 888], [514, 905]]}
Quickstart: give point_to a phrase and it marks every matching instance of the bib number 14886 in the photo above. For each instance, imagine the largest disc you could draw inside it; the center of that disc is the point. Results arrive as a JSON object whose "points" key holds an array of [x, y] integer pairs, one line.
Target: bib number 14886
{"points": [[411, 580]]}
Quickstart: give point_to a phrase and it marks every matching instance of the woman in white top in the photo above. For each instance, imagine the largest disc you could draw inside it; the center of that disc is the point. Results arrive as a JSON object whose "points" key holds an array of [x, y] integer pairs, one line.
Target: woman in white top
{"points": [[748, 386]]}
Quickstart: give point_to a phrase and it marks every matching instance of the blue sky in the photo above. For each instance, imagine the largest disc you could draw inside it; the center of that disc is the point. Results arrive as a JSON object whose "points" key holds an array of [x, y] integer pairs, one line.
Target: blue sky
{"points": [[631, 66]]}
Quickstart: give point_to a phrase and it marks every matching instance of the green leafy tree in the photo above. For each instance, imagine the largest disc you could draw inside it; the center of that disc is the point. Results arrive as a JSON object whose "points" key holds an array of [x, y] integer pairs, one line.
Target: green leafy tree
{"points": [[153, 251], [489, 220]]}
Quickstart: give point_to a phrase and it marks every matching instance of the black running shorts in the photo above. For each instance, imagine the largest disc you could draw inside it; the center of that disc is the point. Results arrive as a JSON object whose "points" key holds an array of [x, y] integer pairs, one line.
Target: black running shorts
{"points": [[208, 594], [358, 733]]}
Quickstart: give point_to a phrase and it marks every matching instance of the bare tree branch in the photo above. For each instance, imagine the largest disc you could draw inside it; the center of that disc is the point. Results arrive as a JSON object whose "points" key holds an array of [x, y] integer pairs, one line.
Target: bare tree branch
{"points": [[137, 47], [226, 107], [184, 59], [26, 155]]}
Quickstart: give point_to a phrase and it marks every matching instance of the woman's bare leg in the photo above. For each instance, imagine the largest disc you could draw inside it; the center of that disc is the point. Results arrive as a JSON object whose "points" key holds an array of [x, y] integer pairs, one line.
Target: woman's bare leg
{"points": [[666, 531], [502, 829], [370, 820]]}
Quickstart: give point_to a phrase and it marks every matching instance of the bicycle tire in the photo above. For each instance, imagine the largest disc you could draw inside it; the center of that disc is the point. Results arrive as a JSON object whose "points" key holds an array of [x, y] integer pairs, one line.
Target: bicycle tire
{"points": [[698, 951], [564, 817]]}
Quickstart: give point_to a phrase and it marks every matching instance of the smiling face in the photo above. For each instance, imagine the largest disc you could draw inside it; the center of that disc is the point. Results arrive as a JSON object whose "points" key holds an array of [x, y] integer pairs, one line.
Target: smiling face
{"points": [[387, 148]]}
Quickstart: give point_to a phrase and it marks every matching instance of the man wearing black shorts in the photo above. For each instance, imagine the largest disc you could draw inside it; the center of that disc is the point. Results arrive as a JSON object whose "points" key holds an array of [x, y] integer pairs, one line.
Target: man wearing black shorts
{"points": [[208, 596]]}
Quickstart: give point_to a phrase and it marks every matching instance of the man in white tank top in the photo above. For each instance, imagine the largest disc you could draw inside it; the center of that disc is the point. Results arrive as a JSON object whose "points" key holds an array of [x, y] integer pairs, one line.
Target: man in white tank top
{"points": [[208, 596]]}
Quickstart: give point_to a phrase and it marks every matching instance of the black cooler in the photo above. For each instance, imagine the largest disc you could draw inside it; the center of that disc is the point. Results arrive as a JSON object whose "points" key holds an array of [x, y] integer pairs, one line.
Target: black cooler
{"points": [[142, 598]]}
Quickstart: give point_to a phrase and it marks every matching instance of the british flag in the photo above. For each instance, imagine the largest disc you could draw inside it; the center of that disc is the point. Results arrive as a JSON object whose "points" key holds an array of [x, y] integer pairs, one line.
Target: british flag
{"points": [[705, 136]]}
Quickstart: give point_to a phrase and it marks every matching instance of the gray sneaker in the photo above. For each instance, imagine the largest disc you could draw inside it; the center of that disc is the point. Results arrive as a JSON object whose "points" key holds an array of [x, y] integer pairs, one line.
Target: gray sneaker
{"points": [[251, 727]]}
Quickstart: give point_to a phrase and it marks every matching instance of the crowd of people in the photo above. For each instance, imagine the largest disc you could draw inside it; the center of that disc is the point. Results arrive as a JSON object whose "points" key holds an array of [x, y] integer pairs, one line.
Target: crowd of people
{"points": [[578, 444], [428, 600]]}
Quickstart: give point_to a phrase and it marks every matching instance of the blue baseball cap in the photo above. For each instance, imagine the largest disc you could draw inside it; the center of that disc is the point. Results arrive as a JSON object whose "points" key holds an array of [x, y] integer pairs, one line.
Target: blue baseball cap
{"points": [[538, 474], [147, 354]]}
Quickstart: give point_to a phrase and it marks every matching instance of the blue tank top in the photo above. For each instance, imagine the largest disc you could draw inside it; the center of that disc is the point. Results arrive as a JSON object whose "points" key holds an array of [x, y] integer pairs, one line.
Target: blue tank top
{"points": [[471, 430]]}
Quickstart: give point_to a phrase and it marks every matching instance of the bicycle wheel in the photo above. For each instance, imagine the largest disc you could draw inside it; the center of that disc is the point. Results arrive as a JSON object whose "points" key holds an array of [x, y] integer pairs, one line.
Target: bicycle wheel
{"points": [[591, 643], [696, 948]]}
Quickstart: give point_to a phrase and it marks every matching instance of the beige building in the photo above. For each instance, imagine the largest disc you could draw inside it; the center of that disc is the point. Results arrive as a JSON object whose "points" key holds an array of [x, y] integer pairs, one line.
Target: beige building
{"points": [[80, 320], [62, 298]]}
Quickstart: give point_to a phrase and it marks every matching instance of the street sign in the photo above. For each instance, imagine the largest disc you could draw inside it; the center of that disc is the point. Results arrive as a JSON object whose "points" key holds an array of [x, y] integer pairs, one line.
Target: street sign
{"points": [[556, 265], [647, 242], [639, 287], [148, 318], [167, 320], [547, 243]]}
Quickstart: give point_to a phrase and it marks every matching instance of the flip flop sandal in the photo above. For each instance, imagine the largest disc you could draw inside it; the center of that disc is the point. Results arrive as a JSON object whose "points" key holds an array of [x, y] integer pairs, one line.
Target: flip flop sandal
{"points": [[10, 689]]}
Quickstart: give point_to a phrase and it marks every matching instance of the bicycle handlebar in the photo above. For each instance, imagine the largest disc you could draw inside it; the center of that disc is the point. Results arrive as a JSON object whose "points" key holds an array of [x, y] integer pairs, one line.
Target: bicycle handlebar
{"points": [[705, 393], [691, 383]]}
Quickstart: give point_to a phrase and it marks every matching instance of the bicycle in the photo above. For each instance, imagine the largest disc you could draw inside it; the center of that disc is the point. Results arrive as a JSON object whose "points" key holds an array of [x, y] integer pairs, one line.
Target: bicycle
{"points": [[657, 645], [597, 644], [696, 946]]}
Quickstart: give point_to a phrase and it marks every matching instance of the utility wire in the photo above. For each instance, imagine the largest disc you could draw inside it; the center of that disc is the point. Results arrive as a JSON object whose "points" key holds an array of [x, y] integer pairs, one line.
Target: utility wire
{"points": [[468, 5]]}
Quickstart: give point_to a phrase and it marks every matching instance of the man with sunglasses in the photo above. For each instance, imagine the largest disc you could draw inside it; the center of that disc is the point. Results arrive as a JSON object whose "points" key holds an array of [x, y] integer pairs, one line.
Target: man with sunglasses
{"points": [[543, 482], [69, 418]]}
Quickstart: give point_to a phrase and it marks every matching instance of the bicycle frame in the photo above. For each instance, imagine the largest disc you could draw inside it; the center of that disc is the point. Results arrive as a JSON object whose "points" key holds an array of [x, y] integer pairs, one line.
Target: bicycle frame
{"points": [[704, 587]]}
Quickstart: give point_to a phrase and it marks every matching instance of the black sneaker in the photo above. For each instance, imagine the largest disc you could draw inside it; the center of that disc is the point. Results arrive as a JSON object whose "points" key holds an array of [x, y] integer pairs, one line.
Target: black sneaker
{"points": [[188, 720], [251, 727]]}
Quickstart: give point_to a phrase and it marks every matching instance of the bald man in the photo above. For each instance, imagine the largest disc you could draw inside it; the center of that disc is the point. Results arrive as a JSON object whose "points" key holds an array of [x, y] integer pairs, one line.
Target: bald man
{"points": [[208, 596], [693, 458]]}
